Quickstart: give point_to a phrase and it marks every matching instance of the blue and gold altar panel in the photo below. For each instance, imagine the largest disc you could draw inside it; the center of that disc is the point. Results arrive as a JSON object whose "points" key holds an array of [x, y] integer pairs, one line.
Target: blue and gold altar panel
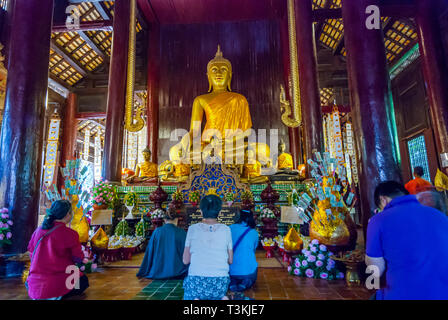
{"points": [[213, 176]]}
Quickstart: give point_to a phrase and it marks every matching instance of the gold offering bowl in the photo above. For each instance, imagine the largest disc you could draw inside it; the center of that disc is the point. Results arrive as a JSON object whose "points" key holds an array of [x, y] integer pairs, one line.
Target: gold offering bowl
{"points": [[353, 266]]}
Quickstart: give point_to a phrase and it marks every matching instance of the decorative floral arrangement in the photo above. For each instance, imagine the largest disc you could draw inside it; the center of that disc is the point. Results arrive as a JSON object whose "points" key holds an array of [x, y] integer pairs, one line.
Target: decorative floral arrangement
{"points": [[117, 242], [247, 196], [5, 227], [177, 196], [158, 214], [141, 227], [122, 229], [102, 193], [194, 197], [323, 205], [279, 240], [131, 199], [268, 242], [315, 262], [267, 213], [88, 264]]}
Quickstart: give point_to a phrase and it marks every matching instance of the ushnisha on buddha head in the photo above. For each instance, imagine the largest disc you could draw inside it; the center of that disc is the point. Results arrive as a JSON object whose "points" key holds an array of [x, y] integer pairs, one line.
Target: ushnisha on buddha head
{"points": [[219, 73]]}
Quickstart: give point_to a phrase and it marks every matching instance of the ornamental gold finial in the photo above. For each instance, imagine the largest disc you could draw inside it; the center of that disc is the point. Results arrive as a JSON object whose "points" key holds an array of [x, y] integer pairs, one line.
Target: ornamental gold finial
{"points": [[219, 58]]}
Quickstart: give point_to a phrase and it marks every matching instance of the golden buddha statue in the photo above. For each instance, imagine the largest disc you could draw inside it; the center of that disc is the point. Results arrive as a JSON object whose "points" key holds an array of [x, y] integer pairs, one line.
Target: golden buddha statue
{"points": [[252, 169], [145, 171], [284, 160], [227, 117], [176, 170]]}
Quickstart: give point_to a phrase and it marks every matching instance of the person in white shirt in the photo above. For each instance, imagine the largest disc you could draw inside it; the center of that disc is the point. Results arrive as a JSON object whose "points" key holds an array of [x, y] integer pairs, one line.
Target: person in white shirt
{"points": [[208, 251]]}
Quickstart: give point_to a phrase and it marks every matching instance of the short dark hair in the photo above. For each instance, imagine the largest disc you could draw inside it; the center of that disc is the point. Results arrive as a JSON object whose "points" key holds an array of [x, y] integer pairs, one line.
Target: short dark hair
{"points": [[391, 189], [58, 210], [419, 171], [210, 206], [247, 216], [170, 213]]}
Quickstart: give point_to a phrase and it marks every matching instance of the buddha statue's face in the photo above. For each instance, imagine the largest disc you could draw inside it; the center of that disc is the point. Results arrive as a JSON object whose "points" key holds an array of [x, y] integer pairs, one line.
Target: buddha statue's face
{"points": [[219, 76], [281, 147], [250, 155], [147, 156]]}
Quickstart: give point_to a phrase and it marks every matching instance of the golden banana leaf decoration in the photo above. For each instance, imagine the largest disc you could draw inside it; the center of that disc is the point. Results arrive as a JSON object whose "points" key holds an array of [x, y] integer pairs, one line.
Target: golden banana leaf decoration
{"points": [[132, 124], [285, 106]]}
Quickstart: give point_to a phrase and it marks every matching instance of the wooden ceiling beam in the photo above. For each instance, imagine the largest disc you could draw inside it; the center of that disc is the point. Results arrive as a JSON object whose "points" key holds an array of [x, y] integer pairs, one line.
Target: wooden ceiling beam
{"points": [[59, 82], [67, 58], [102, 10], [394, 11], [104, 25], [93, 45], [320, 25], [80, 1], [85, 14]]}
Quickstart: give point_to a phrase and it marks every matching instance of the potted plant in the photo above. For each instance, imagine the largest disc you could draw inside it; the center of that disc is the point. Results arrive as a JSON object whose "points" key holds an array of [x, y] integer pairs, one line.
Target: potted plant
{"points": [[267, 216], [229, 197], [194, 198], [102, 195], [157, 217]]}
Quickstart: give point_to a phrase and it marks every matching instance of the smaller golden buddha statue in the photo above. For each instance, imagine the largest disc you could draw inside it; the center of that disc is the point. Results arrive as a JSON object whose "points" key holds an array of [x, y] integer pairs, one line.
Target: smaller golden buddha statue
{"points": [[284, 160], [146, 171], [176, 170], [251, 171]]}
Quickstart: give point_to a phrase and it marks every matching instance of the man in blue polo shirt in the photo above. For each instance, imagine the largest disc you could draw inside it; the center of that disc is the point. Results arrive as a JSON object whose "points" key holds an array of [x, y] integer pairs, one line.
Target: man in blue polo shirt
{"points": [[409, 242]]}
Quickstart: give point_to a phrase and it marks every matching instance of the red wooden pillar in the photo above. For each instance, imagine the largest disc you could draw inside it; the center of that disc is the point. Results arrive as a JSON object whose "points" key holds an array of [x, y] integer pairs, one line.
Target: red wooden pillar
{"points": [[152, 112], [371, 102], [434, 70], [69, 131], [309, 87], [23, 121], [113, 142], [295, 145]]}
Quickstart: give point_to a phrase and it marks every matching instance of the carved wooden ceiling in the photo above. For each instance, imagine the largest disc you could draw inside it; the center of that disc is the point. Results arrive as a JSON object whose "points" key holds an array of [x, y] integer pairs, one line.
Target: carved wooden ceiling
{"points": [[78, 55]]}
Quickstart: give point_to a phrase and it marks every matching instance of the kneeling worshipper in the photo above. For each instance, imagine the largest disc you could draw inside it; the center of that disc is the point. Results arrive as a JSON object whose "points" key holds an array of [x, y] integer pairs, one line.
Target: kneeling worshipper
{"points": [[163, 256]]}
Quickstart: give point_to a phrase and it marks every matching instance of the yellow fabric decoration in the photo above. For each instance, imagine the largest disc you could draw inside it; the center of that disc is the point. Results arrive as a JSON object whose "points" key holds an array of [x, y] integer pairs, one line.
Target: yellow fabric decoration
{"points": [[441, 181], [292, 241], [79, 223]]}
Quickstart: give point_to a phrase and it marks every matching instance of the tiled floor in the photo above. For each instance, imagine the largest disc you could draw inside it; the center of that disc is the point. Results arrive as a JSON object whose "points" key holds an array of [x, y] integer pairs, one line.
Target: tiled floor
{"points": [[162, 290], [273, 283]]}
